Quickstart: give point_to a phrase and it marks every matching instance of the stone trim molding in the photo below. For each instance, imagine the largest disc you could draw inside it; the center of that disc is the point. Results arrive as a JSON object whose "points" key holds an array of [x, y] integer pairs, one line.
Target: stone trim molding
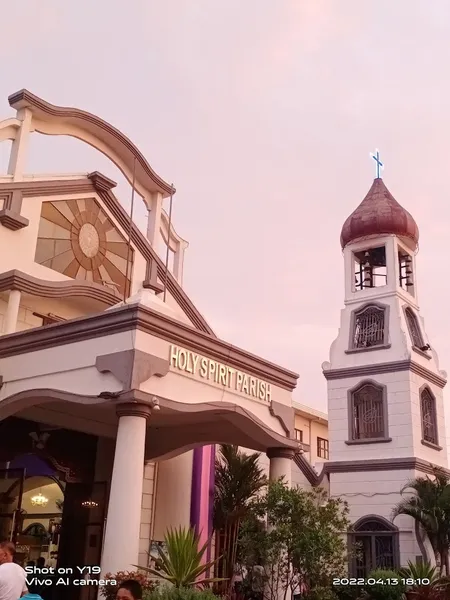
{"points": [[151, 278], [166, 437], [386, 310], [381, 368], [132, 367], [17, 280], [308, 470], [285, 415], [60, 120], [134, 409], [101, 185], [280, 453], [10, 216], [358, 466], [134, 317], [350, 401]]}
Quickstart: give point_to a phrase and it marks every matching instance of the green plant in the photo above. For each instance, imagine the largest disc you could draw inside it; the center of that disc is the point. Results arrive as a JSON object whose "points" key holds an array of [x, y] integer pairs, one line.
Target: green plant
{"points": [[302, 545], [436, 589], [165, 592], [428, 503], [347, 593], [109, 592], [181, 562], [321, 593], [382, 590], [419, 571], [238, 478]]}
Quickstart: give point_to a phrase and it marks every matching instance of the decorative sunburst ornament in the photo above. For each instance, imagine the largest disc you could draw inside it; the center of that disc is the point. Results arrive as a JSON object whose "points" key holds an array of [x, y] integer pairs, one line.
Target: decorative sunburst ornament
{"points": [[76, 238]]}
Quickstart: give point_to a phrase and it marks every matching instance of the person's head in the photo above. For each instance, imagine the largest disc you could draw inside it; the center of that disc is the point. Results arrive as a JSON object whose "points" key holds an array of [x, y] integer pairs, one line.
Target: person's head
{"points": [[7, 552], [129, 590], [40, 562]]}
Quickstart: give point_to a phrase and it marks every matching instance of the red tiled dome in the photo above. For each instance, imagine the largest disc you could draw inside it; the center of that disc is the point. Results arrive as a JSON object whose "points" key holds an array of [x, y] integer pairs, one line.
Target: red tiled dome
{"points": [[379, 214]]}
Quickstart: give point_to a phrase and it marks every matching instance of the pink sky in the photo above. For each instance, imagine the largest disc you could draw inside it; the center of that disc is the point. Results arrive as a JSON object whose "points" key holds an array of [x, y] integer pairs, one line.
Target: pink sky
{"points": [[263, 114]]}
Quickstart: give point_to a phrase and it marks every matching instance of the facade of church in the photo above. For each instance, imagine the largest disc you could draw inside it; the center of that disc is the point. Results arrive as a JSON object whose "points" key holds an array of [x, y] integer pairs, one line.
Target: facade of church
{"points": [[115, 390]]}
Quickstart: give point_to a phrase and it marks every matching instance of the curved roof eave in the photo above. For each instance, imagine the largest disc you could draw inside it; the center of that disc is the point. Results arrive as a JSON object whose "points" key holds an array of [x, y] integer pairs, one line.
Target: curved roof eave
{"points": [[59, 120]]}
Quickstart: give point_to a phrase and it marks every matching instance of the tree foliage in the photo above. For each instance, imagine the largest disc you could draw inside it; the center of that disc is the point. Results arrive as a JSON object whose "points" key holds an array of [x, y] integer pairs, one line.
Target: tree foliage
{"points": [[238, 478], [427, 501], [303, 545]]}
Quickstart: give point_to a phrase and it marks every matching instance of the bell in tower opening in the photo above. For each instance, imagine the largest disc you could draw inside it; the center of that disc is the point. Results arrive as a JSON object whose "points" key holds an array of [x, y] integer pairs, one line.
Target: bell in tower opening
{"points": [[370, 268]]}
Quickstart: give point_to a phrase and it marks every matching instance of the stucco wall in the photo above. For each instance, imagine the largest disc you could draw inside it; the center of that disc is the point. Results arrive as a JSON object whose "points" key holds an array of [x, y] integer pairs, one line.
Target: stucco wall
{"points": [[376, 493]]}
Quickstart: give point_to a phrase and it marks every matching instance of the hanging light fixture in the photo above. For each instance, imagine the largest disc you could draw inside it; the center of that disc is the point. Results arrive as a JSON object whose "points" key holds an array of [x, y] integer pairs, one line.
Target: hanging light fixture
{"points": [[89, 504], [39, 500]]}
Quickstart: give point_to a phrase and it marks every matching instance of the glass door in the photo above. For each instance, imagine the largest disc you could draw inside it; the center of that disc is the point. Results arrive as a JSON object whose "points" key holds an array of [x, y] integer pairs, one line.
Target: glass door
{"points": [[11, 491]]}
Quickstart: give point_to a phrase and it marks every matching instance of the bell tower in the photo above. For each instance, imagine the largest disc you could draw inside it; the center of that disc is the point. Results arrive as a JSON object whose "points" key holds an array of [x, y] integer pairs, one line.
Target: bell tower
{"points": [[385, 387], [382, 340]]}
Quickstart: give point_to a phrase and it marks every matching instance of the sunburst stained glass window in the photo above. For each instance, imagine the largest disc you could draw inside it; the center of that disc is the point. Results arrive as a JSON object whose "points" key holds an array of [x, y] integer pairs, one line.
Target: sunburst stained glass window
{"points": [[77, 238]]}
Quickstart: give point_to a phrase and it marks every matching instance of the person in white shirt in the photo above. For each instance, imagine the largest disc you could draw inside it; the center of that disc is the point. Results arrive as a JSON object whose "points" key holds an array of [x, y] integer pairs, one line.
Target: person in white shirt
{"points": [[12, 576]]}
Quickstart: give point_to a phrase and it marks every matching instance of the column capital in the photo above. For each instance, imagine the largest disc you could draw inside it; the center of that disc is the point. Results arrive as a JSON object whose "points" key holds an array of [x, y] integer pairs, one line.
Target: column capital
{"points": [[281, 453], [134, 409]]}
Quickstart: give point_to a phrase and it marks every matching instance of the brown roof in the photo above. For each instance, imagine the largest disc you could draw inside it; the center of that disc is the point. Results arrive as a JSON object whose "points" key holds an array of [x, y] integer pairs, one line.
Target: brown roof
{"points": [[379, 214]]}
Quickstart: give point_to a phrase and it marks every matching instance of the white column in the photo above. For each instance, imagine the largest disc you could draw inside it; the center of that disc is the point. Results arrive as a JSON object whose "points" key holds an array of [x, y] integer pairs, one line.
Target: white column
{"points": [[154, 219], [178, 262], [123, 521], [19, 147], [12, 312], [280, 464]]}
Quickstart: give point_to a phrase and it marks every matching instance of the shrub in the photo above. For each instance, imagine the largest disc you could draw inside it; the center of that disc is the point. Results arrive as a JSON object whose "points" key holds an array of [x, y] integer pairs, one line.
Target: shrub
{"points": [[347, 592], [109, 592], [321, 593], [167, 592], [383, 591]]}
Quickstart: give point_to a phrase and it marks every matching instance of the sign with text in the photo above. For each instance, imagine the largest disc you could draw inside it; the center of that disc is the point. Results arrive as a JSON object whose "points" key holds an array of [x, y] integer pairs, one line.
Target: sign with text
{"points": [[211, 370]]}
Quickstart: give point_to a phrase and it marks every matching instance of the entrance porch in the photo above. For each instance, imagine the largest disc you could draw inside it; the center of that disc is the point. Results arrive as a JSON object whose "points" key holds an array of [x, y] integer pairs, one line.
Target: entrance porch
{"points": [[123, 377]]}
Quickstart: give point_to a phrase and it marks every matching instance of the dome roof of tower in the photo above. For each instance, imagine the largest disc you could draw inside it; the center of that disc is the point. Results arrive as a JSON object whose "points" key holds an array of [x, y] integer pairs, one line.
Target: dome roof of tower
{"points": [[379, 214]]}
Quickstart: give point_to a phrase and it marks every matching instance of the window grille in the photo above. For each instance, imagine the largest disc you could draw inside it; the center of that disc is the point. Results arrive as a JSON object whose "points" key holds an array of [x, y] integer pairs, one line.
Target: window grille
{"points": [[368, 412], [377, 548], [413, 327], [429, 422], [369, 327]]}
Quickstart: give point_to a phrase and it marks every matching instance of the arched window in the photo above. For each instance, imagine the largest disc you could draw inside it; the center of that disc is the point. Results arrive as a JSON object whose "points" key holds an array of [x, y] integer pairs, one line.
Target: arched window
{"points": [[428, 414], [414, 328], [369, 328], [377, 545], [368, 412]]}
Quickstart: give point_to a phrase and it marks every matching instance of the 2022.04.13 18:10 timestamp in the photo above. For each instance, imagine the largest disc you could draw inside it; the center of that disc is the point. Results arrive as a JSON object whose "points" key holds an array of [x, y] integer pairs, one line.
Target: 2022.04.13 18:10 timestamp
{"points": [[360, 581]]}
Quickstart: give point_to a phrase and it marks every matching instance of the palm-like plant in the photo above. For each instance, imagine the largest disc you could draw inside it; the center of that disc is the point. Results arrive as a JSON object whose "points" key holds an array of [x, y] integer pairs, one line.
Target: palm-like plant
{"points": [[436, 589], [181, 562], [429, 505], [238, 478]]}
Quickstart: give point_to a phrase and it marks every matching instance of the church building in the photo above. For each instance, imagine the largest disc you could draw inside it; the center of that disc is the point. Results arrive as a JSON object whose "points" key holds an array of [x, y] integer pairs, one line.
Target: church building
{"points": [[115, 391]]}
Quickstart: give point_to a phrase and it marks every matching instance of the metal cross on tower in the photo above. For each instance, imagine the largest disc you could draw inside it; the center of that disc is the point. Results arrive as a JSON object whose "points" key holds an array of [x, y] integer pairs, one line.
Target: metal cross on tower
{"points": [[380, 165]]}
